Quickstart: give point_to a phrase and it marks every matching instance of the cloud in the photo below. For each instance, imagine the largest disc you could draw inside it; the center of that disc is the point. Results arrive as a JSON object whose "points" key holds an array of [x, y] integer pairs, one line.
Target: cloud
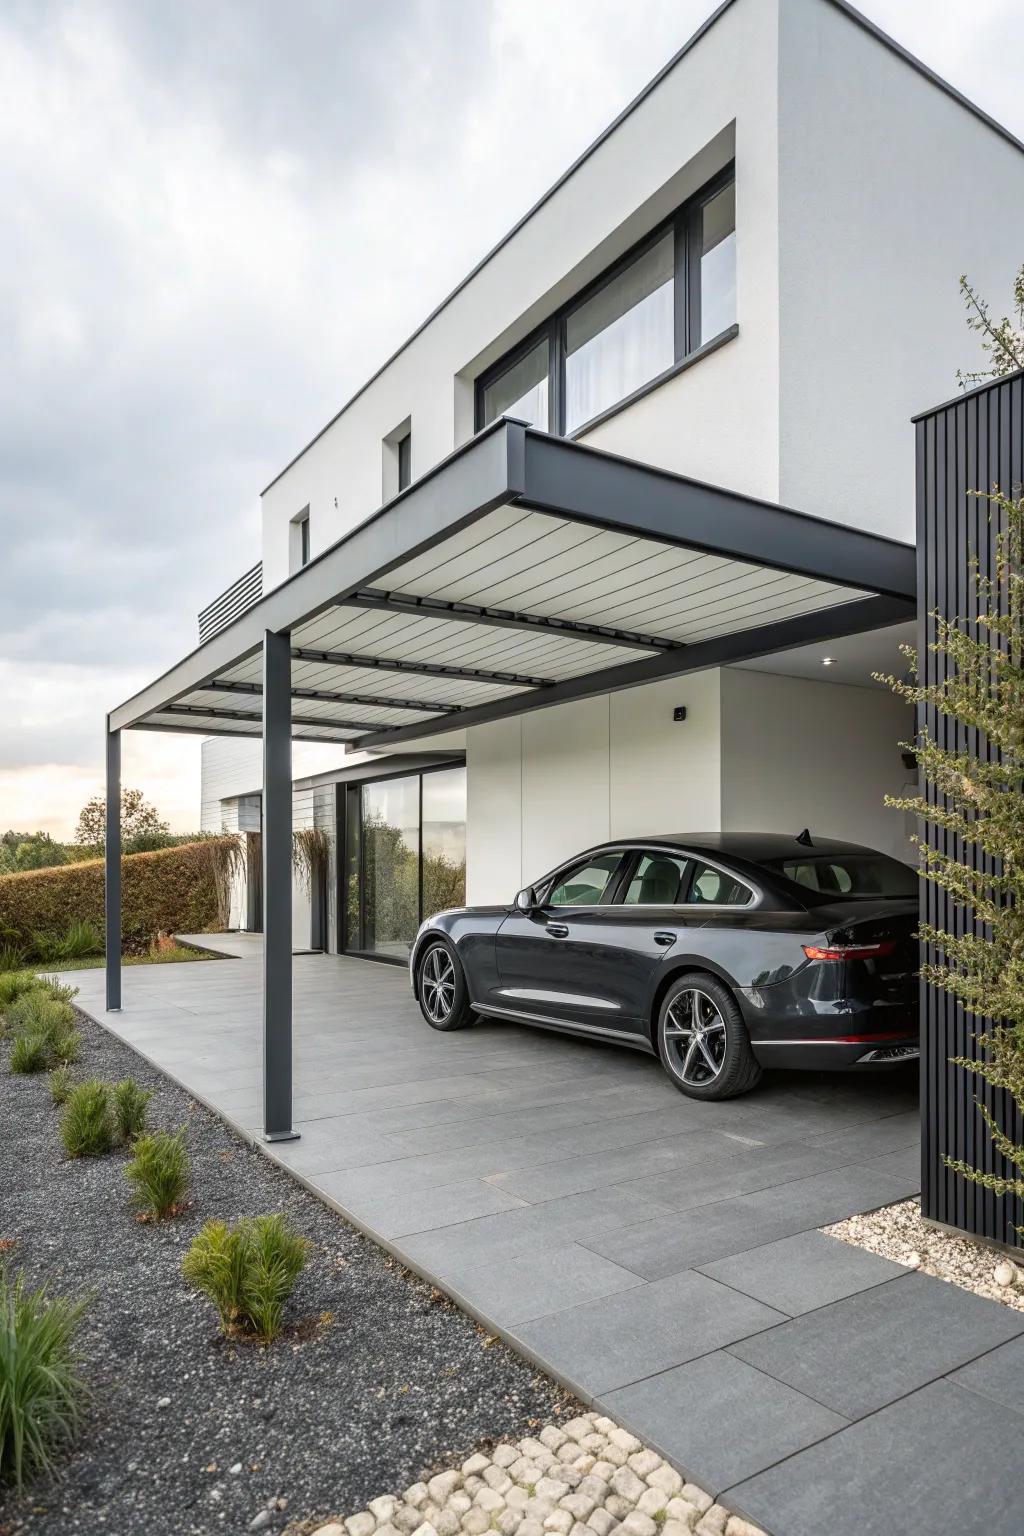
{"points": [[219, 220]]}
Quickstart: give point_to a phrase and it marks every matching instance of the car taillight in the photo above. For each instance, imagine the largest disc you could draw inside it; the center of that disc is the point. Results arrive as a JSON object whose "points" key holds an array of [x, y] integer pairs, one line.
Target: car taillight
{"points": [[850, 951]]}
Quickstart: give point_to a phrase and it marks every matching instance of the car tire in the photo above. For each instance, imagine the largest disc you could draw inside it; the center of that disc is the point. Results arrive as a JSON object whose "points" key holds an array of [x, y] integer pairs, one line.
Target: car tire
{"points": [[441, 988], [720, 1039]]}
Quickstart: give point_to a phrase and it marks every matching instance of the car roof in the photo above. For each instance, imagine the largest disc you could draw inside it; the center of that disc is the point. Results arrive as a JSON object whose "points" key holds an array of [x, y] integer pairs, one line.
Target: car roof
{"points": [[753, 847]]}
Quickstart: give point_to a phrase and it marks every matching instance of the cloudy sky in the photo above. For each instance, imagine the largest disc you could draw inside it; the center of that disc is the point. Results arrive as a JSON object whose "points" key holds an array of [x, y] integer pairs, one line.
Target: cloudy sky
{"points": [[219, 217]]}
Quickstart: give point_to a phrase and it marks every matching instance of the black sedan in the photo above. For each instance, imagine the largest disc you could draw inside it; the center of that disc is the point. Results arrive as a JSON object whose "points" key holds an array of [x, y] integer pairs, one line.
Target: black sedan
{"points": [[722, 953]]}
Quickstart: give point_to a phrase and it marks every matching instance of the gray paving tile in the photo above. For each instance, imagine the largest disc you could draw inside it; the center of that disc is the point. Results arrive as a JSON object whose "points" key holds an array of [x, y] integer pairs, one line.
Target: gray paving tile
{"points": [[696, 1237], [531, 1285], [731, 1170], [998, 1375], [797, 1274], [941, 1461], [606, 1344], [877, 1137], [572, 1175], [861, 1353], [719, 1421], [396, 1212], [527, 1228]]}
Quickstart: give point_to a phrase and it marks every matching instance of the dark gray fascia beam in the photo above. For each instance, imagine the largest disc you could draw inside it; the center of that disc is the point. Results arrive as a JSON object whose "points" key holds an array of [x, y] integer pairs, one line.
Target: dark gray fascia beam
{"points": [[787, 634], [326, 696], [419, 668], [220, 730], [503, 618], [256, 717], [570, 479]]}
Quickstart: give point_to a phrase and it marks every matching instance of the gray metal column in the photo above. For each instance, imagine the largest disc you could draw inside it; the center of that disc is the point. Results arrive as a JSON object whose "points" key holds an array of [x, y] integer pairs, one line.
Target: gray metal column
{"points": [[112, 871], [277, 887]]}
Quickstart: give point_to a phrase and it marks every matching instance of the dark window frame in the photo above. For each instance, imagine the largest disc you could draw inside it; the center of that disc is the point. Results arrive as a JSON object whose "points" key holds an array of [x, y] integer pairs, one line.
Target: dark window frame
{"points": [[403, 452], [686, 226], [304, 546], [348, 808]]}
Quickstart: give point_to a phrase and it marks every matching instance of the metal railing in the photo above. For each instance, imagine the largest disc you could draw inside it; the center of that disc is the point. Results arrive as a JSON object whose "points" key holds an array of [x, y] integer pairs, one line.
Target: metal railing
{"points": [[232, 603]]}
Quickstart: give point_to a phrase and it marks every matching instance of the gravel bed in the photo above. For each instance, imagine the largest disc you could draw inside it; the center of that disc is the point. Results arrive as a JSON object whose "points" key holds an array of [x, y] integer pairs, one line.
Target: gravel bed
{"points": [[189, 1433], [897, 1232]]}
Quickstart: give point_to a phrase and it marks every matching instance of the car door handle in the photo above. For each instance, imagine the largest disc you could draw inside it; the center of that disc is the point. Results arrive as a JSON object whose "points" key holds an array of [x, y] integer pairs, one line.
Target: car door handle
{"points": [[558, 930], [664, 939]]}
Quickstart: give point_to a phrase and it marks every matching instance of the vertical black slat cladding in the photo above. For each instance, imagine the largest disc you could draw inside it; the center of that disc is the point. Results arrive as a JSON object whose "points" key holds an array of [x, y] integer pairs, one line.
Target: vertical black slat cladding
{"points": [[963, 449]]}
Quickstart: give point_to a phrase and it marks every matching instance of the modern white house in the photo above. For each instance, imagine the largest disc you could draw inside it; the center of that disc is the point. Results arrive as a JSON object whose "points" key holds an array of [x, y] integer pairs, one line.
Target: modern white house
{"points": [[750, 280], [614, 543]]}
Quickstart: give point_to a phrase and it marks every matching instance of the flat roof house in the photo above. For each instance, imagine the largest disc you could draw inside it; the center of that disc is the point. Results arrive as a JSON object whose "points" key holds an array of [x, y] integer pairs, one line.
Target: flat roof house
{"points": [[615, 540]]}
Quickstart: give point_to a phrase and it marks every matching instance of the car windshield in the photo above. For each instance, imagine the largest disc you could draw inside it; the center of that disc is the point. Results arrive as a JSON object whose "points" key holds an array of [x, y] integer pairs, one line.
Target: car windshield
{"points": [[848, 875]]}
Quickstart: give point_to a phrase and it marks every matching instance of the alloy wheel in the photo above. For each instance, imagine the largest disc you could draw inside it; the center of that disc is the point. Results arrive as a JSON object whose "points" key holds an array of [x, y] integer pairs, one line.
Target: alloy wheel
{"points": [[437, 984], [695, 1037]]}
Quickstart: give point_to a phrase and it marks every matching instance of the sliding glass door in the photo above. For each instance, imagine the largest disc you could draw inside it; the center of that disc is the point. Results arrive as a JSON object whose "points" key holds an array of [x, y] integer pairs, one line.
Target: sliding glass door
{"points": [[405, 858]]}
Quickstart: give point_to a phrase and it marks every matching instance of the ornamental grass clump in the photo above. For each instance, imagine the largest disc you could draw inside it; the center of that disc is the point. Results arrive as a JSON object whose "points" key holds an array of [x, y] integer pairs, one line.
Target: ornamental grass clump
{"points": [[30, 1054], [87, 1126], [61, 1084], [14, 984], [128, 1103], [159, 1173], [41, 1389], [248, 1271]]}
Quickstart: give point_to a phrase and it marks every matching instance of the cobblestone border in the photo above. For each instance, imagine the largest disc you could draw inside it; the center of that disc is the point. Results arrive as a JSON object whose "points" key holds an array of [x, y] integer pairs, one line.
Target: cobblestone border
{"points": [[587, 1477]]}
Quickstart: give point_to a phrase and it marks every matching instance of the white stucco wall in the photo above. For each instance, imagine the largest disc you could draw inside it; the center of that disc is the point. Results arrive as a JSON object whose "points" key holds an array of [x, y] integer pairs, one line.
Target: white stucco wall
{"points": [[719, 99], [801, 754], [541, 787], [889, 189]]}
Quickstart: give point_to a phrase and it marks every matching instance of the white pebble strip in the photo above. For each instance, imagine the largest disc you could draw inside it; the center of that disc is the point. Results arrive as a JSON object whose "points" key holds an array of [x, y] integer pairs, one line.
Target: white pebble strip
{"points": [[586, 1477]]}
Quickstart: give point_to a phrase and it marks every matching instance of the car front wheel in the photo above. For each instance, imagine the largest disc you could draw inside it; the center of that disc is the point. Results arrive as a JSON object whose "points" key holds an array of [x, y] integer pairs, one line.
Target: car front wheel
{"points": [[441, 988], [703, 1041]]}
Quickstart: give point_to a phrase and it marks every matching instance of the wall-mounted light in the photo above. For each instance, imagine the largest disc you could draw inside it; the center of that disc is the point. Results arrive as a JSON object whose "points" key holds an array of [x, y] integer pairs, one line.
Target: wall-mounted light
{"points": [[679, 713], [829, 661]]}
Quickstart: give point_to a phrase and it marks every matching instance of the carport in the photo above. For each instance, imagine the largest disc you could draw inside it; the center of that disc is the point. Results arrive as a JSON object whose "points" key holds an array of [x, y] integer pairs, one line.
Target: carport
{"points": [[523, 572]]}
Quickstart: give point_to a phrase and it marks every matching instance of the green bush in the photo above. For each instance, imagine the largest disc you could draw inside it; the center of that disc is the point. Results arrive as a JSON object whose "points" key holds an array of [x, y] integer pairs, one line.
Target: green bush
{"points": [[159, 1172], [14, 984], [128, 1102], [61, 1084], [30, 1053], [12, 956], [87, 1125], [41, 1389], [248, 1271], [80, 939], [172, 890]]}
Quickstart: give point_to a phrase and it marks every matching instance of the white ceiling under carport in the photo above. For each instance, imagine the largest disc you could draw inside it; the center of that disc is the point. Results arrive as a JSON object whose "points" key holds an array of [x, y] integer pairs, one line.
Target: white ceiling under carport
{"points": [[523, 571]]}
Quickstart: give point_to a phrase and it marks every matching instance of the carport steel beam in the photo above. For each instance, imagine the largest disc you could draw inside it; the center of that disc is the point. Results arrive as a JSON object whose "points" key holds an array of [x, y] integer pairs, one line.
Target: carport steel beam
{"points": [[510, 464]]}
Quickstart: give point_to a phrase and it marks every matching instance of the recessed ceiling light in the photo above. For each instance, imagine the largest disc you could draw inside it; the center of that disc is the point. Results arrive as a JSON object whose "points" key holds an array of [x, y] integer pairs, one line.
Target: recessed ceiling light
{"points": [[829, 661]]}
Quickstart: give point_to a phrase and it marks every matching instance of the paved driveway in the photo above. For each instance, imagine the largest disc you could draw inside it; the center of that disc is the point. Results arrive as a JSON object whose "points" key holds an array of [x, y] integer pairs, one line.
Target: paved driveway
{"points": [[658, 1255]]}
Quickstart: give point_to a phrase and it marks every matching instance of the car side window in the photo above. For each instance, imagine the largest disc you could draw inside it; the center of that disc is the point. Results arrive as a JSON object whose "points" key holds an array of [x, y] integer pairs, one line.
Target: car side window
{"points": [[658, 881], [715, 887], [584, 885]]}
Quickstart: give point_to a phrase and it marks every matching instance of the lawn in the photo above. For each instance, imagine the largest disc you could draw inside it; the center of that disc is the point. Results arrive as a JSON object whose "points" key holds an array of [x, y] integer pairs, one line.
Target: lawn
{"points": [[176, 954]]}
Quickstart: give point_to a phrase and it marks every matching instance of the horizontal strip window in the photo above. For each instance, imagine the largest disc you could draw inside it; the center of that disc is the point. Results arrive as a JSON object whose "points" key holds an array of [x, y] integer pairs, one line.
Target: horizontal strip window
{"points": [[664, 301]]}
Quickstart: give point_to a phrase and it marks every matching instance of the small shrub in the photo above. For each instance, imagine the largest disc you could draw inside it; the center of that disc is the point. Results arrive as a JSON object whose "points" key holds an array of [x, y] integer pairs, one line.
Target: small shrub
{"points": [[38, 1013], [159, 1172], [12, 956], [30, 1053], [66, 1048], [248, 1271], [61, 1084], [58, 990], [87, 1126], [129, 1103], [41, 1390], [14, 984], [80, 939]]}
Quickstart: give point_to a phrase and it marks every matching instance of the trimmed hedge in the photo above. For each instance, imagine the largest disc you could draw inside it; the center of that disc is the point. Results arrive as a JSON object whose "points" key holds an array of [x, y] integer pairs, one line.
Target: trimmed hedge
{"points": [[169, 891]]}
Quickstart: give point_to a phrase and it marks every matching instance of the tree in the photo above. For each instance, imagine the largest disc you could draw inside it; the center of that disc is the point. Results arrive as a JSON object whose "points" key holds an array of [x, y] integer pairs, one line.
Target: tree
{"points": [[29, 850], [978, 796], [139, 820], [1003, 339]]}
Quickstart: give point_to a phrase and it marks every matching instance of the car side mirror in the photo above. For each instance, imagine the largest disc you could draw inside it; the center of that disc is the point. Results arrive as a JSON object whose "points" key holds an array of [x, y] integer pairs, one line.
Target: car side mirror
{"points": [[526, 899]]}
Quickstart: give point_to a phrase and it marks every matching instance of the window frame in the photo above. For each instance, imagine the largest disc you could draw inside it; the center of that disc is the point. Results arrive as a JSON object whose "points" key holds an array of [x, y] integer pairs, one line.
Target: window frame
{"points": [[582, 862], [403, 454], [686, 226]]}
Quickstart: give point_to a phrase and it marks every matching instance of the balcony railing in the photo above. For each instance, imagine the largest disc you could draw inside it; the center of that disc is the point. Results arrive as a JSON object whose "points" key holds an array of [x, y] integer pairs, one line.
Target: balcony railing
{"points": [[232, 603]]}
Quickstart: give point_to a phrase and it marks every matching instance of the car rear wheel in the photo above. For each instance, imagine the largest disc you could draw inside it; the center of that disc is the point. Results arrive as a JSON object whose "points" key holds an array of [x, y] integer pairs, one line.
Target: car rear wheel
{"points": [[441, 988], [702, 1040]]}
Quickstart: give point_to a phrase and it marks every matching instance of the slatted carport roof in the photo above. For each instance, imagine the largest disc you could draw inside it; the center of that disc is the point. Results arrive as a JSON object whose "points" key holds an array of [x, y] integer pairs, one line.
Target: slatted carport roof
{"points": [[523, 571]]}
